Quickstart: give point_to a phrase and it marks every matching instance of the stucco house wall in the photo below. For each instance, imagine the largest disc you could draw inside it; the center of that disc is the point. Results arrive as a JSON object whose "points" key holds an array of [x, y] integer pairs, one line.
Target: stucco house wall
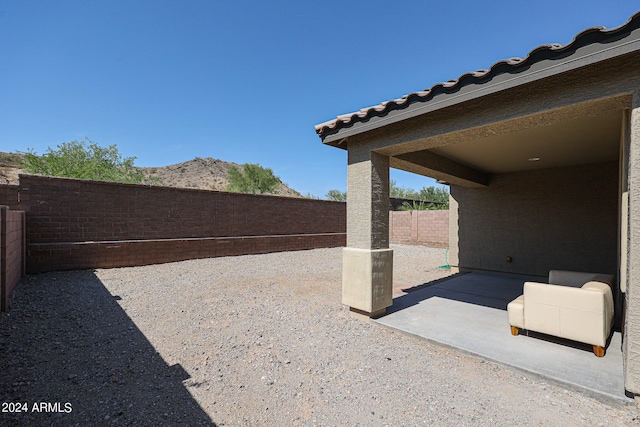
{"points": [[558, 218]]}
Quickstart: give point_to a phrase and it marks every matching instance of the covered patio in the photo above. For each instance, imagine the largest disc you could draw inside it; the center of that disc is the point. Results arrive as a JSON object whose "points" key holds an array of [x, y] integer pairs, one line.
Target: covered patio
{"points": [[542, 156], [467, 313]]}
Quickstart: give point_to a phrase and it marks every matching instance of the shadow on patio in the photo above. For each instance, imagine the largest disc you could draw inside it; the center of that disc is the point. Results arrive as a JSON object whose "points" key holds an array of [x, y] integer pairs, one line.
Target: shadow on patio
{"points": [[67, 340], [467, 312]]}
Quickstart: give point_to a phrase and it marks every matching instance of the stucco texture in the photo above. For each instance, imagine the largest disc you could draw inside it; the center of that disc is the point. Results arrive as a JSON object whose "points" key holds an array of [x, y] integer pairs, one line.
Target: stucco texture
{"points": [[559, 218]]}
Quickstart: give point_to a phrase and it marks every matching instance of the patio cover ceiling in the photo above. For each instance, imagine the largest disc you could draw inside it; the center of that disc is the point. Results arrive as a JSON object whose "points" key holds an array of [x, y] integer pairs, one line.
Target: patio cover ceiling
{"points": [[579, 141], [477, 153]]}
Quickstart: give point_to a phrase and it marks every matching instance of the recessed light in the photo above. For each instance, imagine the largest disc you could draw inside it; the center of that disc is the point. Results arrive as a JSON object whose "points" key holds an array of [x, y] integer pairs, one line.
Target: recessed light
{"points": [[534, 159]]}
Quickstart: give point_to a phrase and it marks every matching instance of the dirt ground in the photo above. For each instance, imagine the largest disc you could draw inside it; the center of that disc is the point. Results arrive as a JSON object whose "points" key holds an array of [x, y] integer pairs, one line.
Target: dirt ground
{"points": [[256, 340]]}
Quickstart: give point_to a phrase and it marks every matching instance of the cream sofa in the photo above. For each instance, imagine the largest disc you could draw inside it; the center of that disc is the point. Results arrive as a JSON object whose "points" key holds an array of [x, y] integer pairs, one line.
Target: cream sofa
{"points": [[573, 305]]}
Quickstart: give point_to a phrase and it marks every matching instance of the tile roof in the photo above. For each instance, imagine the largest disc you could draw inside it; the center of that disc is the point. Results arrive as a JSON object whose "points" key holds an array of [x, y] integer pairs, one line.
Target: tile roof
{"points": [[512, 65]]}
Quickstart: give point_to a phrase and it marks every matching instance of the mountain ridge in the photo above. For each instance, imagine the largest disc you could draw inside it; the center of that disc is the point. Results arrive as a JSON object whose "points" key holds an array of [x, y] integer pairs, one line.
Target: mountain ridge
{"points": [[204, 173]]}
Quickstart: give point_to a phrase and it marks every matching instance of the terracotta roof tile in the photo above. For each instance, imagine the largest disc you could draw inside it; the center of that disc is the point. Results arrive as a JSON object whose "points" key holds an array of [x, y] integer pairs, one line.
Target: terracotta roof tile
{"points": [[547, 51]]}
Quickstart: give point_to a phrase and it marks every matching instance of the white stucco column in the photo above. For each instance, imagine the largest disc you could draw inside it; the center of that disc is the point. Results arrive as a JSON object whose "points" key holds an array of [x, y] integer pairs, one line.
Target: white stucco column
{"points": [[631, 345], [367, 264]]}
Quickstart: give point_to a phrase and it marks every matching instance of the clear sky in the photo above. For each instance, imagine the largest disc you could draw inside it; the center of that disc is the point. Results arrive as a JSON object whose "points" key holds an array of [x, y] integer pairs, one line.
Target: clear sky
{"points": [[246, 81]]}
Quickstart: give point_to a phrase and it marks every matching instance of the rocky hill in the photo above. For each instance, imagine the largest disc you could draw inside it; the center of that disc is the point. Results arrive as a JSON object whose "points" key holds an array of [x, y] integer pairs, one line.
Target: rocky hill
{"points": [[202, 173], [9, 168]]}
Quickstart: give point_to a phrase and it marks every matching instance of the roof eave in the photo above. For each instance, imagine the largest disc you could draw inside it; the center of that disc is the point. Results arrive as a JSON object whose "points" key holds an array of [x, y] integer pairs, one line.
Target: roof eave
{"points": [[620, 41]]}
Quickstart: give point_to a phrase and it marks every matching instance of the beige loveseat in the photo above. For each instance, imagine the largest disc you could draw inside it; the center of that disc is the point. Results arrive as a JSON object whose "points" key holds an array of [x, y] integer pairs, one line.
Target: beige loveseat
{"points": [[573, 305]]}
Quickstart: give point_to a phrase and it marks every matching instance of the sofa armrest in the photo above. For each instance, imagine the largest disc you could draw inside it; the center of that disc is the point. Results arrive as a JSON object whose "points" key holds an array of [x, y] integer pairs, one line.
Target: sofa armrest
{"points": [[605, 290], [568, 312], [515, 312]]}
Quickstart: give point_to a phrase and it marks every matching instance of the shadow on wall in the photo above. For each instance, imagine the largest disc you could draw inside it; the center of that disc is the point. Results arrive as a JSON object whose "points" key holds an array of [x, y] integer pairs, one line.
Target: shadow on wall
{"points": [[68, 343]]}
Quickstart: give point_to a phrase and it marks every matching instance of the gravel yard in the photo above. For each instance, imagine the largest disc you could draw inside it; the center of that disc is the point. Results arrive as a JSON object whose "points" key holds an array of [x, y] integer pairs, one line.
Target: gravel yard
{"points": [[258, 340]]}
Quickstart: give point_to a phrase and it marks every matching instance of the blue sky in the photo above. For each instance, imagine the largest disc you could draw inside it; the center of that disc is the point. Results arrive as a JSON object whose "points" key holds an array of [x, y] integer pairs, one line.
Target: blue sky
{"points": [[246, 81]]}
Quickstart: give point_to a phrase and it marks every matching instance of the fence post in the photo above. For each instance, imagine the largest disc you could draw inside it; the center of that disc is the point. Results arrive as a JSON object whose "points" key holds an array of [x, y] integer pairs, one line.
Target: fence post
{"points": [[4, 303], [23, 224]]}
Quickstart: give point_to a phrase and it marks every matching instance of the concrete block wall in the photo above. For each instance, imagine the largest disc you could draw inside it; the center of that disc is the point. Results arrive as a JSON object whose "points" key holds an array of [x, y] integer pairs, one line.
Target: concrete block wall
{"points": [[429, 228], [89, 224], [533, 221], [9, 196], [69, 210], [128, 253], [12, 247]]}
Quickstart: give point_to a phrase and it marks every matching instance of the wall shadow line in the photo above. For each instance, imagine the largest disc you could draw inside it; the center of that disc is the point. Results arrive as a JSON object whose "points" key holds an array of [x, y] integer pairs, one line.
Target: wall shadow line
{"points": [[68, 343], [472, 288]]}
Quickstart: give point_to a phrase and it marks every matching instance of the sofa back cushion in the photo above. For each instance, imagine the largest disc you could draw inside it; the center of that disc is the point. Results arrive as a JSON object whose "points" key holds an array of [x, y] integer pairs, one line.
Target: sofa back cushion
{"points": [[576, 279]]}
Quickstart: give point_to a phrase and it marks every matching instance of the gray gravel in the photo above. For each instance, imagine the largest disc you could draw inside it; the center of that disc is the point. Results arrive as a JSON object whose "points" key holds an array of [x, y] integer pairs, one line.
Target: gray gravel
{"points": [[252, 341]]}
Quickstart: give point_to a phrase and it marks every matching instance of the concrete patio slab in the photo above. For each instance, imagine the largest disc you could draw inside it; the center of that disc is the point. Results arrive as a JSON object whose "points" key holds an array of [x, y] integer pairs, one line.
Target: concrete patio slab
{"points": [[468, 313]]}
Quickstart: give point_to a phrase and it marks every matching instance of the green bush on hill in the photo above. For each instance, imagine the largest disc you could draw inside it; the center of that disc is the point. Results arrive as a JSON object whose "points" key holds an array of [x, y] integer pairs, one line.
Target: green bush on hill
{"points": [[84, 160], [337, 195], [253, 179]]}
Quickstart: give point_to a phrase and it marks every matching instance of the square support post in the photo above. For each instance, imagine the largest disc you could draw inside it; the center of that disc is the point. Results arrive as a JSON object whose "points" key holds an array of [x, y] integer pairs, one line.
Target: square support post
{"points": [[631, 340], [367, 267]]}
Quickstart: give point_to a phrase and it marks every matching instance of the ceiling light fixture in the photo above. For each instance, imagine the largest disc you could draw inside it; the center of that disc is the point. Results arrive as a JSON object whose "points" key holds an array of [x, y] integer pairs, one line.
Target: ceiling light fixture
{"points": [[534, 159]]}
